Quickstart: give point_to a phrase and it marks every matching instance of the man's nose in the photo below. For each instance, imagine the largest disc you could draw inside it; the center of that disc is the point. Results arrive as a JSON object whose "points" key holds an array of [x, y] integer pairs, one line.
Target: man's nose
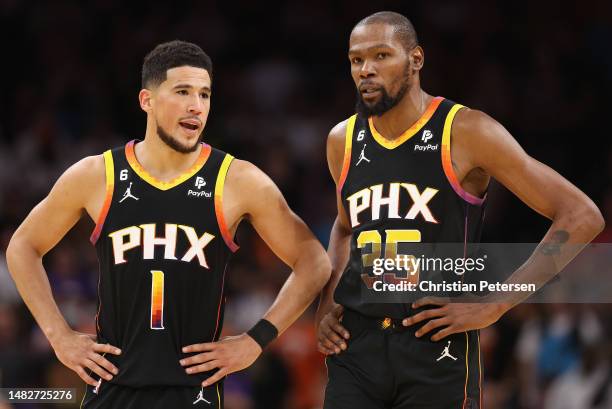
{"points": [[195, 105], [367, 70]]}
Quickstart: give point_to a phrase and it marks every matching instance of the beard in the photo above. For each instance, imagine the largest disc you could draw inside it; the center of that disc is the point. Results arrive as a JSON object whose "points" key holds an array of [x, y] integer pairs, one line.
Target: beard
{"points": [[173, 143], [386, 101]]}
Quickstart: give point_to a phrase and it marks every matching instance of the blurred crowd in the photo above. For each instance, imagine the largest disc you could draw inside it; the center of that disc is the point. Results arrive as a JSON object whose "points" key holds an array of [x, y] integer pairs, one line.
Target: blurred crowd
{"points": [[280, 82]]}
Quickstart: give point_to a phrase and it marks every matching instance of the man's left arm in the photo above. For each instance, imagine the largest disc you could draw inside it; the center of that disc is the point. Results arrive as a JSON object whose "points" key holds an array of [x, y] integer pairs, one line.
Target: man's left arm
{"points": [[250, 194], [576, 220]]}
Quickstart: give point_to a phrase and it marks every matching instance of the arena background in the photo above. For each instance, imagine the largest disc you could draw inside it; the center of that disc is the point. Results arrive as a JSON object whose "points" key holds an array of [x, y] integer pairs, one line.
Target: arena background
{"points": [[71, 75]]}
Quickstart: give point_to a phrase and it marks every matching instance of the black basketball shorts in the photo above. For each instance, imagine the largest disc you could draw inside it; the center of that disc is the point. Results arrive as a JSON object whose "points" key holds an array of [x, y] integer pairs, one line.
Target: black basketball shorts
{"points": [[111, 396], [386, 366]]}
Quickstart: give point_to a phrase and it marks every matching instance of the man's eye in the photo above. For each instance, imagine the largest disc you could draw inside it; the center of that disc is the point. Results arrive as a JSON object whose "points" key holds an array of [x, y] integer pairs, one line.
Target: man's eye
{"points": [[205, 95], [381, 56], [181, 92], [356, 60]]}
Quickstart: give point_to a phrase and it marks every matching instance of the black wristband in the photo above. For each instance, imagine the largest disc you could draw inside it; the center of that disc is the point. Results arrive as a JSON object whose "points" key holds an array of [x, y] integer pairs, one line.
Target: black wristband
{"points": [[263, 333]]}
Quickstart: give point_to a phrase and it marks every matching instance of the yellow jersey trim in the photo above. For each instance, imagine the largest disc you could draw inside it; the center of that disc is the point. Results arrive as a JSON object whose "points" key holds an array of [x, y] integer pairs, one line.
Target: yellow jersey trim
{"points": [[110, 187], [447, 163], [160, 184], [219, 186], [348, 142], [408, 133], [467, 369]]}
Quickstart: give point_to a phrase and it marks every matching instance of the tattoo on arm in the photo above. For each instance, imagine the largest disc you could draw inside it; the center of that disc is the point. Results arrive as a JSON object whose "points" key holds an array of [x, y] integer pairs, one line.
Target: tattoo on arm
{"points": [[553, 247]]}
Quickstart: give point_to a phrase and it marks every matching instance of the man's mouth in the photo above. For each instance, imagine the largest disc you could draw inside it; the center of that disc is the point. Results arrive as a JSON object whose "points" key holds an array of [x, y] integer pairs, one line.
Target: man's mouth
{"points": [[190, 125], [369, 91], [368, 94]]}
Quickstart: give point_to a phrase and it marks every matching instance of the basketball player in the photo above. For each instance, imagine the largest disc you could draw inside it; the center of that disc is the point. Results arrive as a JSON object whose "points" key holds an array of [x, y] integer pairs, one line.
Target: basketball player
{"points": [[166, 209], [410, 167]]}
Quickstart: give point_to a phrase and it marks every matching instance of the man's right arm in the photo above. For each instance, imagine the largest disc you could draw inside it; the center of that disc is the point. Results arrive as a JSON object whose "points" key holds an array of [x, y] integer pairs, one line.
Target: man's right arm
{"points": [[79, 189], [331, 333]]}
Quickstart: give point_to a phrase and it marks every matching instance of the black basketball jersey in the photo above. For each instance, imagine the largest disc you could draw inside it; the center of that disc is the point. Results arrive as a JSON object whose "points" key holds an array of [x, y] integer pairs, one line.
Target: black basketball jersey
{"points": [[163, 249], [397, 194]]}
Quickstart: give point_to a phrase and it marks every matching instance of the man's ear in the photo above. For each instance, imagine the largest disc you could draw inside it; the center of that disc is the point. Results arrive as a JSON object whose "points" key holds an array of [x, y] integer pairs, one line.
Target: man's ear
{"points": [[145, 97], [417, 58]]}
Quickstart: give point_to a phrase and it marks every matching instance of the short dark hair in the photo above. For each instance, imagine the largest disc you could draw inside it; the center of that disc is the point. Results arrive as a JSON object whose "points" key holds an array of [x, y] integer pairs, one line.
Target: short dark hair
{"points": [[170, 55], [402, 27]]}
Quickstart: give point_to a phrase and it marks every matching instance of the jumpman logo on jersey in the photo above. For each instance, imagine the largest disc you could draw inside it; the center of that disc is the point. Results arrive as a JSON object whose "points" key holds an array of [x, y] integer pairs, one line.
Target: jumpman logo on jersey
{"points": [[362, 155], [446, 353], [200, 397], [128, 193]]}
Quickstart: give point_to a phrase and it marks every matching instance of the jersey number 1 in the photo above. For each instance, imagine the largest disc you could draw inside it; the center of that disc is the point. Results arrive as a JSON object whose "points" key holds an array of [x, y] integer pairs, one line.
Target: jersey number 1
{"points": [[157, 299]]}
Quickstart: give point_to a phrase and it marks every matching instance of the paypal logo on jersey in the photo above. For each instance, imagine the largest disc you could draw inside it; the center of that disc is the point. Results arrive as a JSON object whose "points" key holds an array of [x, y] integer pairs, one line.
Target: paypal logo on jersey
{"points": [[201, 193], [425, 137], [199, 184]]}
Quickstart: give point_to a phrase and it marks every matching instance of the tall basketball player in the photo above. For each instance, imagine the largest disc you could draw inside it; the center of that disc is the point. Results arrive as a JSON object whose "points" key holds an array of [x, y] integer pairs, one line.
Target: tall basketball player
{"points": [[410, 167], [166, 209]]}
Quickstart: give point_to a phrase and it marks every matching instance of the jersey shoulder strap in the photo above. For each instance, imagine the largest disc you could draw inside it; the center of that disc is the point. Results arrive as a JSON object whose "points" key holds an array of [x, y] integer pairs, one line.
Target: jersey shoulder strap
{"points": [[219, 193], [348, 143], [109, 170]]}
